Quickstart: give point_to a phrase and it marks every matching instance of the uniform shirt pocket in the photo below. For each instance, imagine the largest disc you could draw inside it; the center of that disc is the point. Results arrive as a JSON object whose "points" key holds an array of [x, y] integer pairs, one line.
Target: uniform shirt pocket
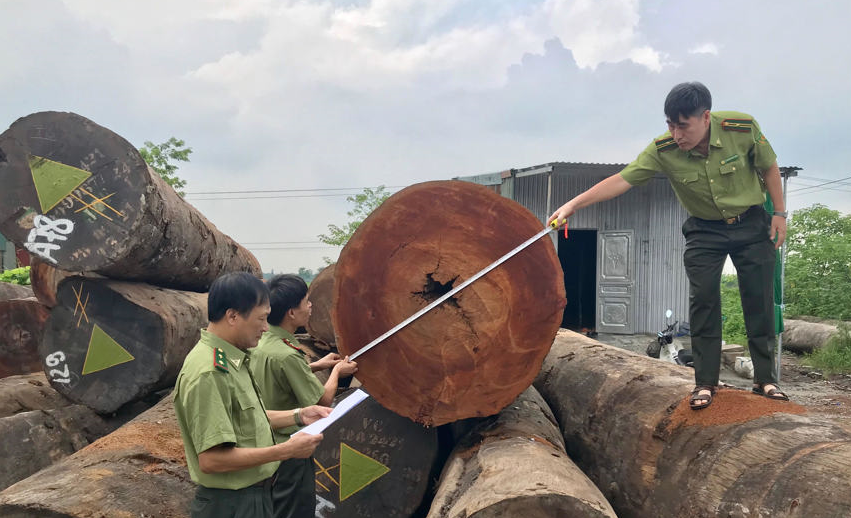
{"points": [[684, 177], [246, 418]]}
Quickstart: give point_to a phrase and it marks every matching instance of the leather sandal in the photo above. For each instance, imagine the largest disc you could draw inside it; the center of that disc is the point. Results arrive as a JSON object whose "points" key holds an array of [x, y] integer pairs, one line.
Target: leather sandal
{"points": [[697, 396], [773, 393]]}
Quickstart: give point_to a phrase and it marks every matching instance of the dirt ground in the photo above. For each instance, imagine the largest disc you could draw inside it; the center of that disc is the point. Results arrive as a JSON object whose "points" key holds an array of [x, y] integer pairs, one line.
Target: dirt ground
{"points": [[819, 394]]}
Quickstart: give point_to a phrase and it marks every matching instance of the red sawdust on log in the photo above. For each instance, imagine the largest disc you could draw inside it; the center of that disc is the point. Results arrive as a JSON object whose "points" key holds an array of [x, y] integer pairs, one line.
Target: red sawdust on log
{"points": [[160, 441], [730, 406]]}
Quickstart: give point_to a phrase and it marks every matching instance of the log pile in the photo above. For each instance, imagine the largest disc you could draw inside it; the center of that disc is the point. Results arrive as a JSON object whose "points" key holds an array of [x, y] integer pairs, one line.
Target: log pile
{"points": [[138, 470], [480, 349], [82, 198], [321, 295], [626, 422], [111, 342], [515, 464], [22, 323], [801, 336]]}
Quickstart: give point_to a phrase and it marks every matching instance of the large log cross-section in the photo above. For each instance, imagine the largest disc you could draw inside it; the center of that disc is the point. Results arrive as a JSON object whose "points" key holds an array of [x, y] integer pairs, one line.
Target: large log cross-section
{"points": [[473, 354]]}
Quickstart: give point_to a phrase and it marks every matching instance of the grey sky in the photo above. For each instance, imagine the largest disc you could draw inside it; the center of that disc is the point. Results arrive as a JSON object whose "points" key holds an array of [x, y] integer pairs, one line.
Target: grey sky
{"points": [[322, 94]]}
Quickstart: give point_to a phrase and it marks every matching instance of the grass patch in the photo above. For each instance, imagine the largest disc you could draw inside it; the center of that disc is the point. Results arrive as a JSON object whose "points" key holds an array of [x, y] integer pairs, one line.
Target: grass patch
{"points": [[835, 356]]}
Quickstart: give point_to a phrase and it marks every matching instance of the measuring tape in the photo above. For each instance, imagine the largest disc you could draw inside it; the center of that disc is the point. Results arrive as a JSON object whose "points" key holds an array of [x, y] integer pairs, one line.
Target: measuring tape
{"points": [[471, 280]]}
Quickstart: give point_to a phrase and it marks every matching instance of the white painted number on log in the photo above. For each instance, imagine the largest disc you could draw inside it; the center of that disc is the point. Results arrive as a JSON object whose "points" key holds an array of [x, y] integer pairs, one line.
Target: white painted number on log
{"points": [[49, 231], [55, 360]]}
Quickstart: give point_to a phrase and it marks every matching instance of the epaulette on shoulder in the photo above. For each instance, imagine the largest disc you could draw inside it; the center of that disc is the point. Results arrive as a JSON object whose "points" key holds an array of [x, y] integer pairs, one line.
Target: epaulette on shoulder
{"points": [[665, 144], [741, 125], [220, 360]]}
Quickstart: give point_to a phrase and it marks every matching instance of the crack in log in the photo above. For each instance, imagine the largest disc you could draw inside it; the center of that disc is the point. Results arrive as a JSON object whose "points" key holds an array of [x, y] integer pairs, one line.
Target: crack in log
{"points": [[433, 290]]}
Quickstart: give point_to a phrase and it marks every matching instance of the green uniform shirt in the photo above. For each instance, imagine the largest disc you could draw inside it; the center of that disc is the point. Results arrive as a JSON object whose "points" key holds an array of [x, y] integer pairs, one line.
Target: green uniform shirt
{"points": [[283, 375], [216, 403], [721, 185]]}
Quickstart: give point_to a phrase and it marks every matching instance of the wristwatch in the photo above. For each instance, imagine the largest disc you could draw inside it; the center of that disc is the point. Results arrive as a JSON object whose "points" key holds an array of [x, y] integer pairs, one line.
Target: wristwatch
{"points": [[782, 214]]}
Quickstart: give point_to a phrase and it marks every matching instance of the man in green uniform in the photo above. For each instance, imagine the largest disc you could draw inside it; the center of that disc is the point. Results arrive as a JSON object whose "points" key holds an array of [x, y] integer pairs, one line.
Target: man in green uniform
{"points": [[287, 382], [227, 433], [719, 164]]}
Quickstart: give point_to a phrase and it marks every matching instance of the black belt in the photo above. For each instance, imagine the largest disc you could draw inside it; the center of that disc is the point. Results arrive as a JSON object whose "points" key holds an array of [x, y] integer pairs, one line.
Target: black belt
{"points": [[266, 482], [735, 219]]}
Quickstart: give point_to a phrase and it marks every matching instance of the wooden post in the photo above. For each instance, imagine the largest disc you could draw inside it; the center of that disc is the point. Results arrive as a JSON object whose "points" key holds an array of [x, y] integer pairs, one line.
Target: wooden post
{"points": [[626, 423], [111, 342], [480, 349], [514, 464], [81, 198]]}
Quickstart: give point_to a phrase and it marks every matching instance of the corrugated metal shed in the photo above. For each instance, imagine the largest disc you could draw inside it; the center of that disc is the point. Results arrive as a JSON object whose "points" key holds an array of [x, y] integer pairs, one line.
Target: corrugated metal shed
{"points": [[642, 227]]}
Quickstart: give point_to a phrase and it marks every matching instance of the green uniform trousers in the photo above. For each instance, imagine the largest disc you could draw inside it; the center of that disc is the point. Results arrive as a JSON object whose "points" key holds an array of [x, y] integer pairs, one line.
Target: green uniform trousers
{"points": [[749, 246], [294, 490], [250, 502]]}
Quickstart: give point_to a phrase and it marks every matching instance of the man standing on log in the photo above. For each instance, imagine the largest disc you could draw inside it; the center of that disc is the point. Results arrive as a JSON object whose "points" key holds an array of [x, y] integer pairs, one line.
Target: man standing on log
{"points": [[287, 382], [719, 165], [227, 433]]}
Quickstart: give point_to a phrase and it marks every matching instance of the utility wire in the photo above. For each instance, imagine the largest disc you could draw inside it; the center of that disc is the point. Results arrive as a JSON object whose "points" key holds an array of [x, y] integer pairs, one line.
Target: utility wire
{"points": [[819, 186], [267, 191]]}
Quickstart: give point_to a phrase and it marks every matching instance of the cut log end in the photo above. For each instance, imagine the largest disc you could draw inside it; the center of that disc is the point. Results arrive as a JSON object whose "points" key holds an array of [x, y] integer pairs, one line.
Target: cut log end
{"points": [[476, 352]]}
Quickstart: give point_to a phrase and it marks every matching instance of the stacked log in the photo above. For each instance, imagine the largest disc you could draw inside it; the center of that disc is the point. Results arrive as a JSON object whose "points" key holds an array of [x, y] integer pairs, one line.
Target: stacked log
{"points": [[111, 342], [476, 352], [515, 464], [36, 439], [82, 198], [45, 281], [14, 291], [28, 392], [22, 323], [321, 295], [138, 470], [626, 423], [373, 463]]}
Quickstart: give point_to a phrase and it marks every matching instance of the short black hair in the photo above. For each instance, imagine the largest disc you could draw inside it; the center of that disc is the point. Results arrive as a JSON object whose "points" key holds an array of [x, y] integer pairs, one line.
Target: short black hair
{"points": [[286, 291], [240, 291], [688, 100]]}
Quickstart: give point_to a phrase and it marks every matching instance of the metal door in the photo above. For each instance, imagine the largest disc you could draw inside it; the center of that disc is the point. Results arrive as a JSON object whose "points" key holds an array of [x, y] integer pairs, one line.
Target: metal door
{"points": [[615, 281]]}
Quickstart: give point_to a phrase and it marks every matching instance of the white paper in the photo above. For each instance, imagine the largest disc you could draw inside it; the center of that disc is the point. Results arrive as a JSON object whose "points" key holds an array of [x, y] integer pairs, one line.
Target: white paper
{"points": [[342, 407]]}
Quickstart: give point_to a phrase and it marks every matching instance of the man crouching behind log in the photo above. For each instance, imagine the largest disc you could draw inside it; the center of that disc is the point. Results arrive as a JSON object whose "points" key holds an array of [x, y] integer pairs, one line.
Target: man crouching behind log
{"points": [[227, 433]]}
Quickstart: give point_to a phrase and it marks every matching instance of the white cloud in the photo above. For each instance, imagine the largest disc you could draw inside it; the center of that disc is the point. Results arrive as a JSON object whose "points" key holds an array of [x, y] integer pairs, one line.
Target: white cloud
{"points": [[706, 48]]}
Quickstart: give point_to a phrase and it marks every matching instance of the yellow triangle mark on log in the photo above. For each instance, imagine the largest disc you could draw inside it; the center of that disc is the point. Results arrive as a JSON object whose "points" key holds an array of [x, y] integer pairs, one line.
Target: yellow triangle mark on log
{"points": [[54, 181], [104, 352], [357, 471]]}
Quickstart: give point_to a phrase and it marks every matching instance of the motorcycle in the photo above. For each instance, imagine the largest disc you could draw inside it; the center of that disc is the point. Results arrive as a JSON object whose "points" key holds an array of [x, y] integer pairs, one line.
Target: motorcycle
{"points": [[666, 349]]}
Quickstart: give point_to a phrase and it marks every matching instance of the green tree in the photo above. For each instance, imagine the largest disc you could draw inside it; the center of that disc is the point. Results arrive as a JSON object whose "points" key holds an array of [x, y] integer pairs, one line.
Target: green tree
{"points": [[365, 203], [818, 263], [162, 158], [732, 316], [307, 274]]}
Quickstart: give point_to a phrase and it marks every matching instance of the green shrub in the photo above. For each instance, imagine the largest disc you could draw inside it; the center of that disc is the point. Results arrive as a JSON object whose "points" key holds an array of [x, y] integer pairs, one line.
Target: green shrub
{"points": [[835, 356], [733, 327], [16, 276]]}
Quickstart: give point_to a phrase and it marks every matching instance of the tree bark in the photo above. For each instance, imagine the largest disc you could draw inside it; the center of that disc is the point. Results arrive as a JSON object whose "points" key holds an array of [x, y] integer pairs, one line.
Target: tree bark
{"points": [[627, 424], [45, 280], [321, 295], [28, 392], [111, 342], [14, 291], [22, 323], [374, 437], [138, 470], [36, 439], [515, 464], [474, 354], [81, 197], [801, 336]]}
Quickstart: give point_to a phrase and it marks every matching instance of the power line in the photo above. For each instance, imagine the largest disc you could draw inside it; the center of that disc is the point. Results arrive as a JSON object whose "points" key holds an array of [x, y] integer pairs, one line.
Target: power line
{"points": [[267, 191], [819, 186]]}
